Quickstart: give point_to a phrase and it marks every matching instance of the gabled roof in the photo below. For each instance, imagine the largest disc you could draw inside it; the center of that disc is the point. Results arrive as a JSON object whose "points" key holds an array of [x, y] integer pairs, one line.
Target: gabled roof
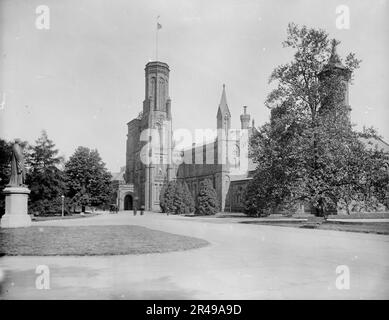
{"points": [[118, 176], [372, 143]]}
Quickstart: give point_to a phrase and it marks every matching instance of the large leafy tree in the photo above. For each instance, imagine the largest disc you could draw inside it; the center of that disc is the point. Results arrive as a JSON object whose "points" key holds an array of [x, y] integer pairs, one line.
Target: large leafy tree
{"points": [[44, 178], [274, 148], [309, 151], [89, 182], [365, 185]]}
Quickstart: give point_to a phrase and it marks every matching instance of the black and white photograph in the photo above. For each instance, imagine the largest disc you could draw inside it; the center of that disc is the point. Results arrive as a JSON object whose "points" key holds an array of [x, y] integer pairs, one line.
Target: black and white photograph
{"points": [[194, 150]]}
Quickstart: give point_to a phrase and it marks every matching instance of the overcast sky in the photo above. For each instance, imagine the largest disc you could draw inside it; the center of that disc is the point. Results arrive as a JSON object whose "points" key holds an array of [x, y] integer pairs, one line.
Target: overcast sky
{"points": [[83, 79]]}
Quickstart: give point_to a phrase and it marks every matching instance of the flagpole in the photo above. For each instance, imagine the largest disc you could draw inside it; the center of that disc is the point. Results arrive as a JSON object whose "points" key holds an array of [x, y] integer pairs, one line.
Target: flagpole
{"points": [[156, 45], [156, 40], [156, 67]]}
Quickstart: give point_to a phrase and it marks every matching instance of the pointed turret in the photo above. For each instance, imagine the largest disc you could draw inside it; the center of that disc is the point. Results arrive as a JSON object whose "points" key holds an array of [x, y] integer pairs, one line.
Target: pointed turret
{"points": [[245, 119], [335, 68], [334, 64], [223, 113]]}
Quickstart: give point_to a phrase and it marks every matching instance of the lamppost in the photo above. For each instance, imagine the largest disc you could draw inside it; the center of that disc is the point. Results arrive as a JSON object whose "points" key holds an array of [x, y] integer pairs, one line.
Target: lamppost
{"points": [[63, 201], [229, 191], [135, 204]]}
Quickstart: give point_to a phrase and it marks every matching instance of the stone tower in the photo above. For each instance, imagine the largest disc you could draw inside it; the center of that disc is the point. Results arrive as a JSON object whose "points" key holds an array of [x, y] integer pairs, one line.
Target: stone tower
{"points": [[335, 69], [223, 126], [149, 138], [223, 113], [222, 177], [245, 119]]}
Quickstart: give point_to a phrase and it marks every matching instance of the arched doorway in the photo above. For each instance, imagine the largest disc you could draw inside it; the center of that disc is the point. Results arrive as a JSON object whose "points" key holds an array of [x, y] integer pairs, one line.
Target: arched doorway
{"points": [[128, 202]]}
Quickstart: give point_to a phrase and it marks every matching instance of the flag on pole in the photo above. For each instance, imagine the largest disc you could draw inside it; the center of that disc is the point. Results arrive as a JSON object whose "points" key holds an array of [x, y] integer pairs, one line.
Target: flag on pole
{"points": [[159, 26]]}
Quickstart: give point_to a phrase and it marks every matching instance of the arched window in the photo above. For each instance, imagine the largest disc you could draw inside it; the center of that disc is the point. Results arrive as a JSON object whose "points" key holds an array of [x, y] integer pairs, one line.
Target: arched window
{"points": [[152, 88], [235, 155], [161, 94]]}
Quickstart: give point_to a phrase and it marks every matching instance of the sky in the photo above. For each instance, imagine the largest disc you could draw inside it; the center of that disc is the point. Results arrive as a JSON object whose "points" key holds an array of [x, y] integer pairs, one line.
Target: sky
{"points": [[82, 79]]}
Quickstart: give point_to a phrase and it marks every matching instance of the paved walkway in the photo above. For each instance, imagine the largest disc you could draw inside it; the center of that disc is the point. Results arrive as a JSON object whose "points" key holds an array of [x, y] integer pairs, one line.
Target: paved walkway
{"points": [[243, 262]]}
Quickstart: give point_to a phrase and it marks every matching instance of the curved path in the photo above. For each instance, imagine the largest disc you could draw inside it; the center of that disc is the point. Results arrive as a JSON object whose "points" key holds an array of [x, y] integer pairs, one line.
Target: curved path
{"points": [[243, 262]]}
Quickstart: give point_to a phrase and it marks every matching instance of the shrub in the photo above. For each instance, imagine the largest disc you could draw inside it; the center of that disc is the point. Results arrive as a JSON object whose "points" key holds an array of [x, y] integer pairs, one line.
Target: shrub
{"points": [[162, 198], [169, 197], [178, 199], [175, 198], [207, 202], [188, 199], [2, 206], [48, 207]]}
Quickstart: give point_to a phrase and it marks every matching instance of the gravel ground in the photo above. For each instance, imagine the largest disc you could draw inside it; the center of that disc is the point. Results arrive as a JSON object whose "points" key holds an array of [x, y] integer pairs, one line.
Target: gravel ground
{"points": [[91, 240], [243, 261]]}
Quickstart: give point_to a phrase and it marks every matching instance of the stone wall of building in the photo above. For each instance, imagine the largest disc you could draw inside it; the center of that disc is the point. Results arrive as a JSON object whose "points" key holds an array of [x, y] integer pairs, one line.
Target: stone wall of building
{"points": [[208, 161]]}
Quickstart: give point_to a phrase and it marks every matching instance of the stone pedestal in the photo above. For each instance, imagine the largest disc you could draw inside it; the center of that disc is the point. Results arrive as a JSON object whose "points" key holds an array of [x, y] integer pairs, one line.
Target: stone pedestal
{"points": [[16, 213]]}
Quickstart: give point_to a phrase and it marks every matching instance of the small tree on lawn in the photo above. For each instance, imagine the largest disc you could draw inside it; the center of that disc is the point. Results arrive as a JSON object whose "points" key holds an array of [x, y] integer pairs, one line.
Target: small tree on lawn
{"points": [[167, 196], [176, 198], [188, 199], [162, 198], [207, 202]]}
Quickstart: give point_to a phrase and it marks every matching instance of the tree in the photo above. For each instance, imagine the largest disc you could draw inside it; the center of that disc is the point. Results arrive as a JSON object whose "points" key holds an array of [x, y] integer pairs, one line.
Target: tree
{"points": [[188, 199], [89, 182], [309, 151], [5, 156], [366, 185], [167, 197], [274, 149], [207, 202], [162, 197], [44, 177], [176, 198]]}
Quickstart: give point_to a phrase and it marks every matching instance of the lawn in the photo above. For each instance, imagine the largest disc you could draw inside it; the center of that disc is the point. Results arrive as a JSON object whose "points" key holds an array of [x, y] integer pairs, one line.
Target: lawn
{"points": [[364, 227], [59, 217], [92, 240]]}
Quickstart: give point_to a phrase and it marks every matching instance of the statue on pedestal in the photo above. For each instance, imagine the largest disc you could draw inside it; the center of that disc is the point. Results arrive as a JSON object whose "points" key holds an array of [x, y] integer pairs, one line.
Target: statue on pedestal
{"points": [[18, 172], [16, 193]]}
